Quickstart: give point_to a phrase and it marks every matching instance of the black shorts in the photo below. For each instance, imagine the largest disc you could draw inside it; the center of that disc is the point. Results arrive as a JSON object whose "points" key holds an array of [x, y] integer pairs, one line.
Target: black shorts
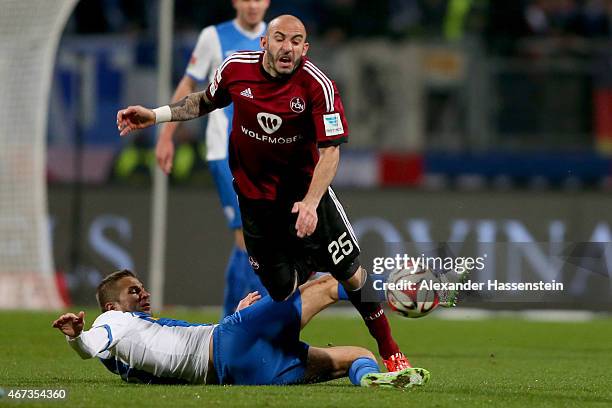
{"points": [[276, 252]]}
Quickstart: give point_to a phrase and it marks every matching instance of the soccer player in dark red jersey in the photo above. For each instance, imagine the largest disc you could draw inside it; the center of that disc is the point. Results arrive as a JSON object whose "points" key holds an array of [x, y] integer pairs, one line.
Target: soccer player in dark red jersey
{"points": [[284, 150]]}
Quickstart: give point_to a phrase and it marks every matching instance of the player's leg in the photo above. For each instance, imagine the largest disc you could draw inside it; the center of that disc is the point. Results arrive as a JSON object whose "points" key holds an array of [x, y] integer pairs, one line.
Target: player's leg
{"points": [[260, 344], [360, 366], [253, 281], [316, 295], [361, 293], [269, 247], [339, 253], [329, 363], [239, 276]]}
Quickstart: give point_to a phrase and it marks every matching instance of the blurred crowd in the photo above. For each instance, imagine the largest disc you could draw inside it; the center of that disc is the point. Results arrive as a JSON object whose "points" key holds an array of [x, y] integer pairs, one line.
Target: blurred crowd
{"points": [[587, 18], [336, 20]]}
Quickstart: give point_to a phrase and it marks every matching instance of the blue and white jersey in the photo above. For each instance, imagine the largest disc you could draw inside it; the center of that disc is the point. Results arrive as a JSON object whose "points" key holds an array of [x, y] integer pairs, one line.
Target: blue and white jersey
{"points": [[216, 43], [141, 348]]}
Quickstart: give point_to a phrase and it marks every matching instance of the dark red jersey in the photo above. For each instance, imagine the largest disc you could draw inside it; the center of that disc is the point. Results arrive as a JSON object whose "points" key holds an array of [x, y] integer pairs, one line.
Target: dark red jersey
{"points": [[278, 124]]}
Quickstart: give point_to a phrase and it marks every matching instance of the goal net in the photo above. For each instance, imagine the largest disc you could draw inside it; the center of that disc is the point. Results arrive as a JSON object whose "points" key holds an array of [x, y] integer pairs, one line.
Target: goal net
{"points": [[29, 34]]}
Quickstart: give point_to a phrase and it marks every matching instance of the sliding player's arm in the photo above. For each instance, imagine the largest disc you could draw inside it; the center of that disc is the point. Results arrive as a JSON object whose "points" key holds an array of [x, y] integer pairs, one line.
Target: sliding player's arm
{"points": [[107, 330], [70, 324], [248, 300]]}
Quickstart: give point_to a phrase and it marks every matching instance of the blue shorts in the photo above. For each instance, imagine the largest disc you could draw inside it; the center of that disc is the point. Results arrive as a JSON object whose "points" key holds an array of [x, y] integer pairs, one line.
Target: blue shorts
{"points": [[260, 345], [223, 181]]}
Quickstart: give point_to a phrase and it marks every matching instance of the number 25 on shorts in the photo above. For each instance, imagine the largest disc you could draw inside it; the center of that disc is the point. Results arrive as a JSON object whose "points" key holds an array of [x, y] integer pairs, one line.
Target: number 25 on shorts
{"points": [[342, 244]]}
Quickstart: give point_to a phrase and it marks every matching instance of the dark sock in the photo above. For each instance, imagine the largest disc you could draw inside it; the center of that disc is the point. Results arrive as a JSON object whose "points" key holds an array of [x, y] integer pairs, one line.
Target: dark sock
{"points": [[374, 318]]}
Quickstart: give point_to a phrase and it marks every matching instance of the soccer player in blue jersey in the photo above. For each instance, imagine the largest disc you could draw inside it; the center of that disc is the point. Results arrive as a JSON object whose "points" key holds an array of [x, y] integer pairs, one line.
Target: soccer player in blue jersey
{"points": [[216, 43], [257, 345]]}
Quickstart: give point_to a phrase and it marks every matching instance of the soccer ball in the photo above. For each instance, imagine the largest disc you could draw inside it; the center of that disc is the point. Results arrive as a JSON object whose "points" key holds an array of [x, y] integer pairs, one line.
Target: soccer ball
{"points": [[405, 294]]}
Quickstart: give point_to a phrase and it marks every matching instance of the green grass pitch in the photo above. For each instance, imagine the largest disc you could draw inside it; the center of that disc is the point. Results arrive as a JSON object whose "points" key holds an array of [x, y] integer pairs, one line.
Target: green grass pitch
{"points": [[479, 363]]}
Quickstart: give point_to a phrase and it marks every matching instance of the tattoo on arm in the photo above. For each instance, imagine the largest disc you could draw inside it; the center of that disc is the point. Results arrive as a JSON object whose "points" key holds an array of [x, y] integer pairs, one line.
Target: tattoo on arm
{"points": [[192, 106]]}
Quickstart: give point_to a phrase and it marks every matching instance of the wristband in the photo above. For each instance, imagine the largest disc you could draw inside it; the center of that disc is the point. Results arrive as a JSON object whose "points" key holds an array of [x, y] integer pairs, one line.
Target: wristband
{"points": [[162, 114]]}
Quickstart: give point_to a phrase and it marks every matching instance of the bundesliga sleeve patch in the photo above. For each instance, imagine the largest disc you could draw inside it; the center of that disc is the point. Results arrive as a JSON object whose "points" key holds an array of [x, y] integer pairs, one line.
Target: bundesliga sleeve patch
{"points": [[215, 83], [333, 124]]}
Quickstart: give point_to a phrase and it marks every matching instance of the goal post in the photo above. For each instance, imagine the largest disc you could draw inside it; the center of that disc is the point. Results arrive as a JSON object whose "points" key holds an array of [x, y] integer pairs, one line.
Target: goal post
{"points": [[29, 35]]}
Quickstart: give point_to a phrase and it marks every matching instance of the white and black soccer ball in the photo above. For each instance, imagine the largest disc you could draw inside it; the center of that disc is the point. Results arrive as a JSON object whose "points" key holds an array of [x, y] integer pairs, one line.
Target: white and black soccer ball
{"points": [[405, 294]]}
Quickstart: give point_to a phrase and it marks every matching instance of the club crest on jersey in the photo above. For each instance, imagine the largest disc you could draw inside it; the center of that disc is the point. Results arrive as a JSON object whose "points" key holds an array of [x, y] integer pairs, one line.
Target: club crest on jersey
{"points": [[269, 122], [297, 104], [253, 262]]}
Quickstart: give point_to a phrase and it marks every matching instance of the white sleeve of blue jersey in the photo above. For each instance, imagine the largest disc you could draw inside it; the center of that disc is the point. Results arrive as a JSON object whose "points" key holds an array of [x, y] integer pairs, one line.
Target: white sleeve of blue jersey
{"points": [[105, 332], [206, 55]]}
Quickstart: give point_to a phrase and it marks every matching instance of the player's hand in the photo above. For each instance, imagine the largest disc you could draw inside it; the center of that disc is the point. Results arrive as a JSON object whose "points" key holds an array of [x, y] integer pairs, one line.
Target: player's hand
{"points": [[248, 300], [307, 218], [70, 324], [133, 118], [164, 152]]}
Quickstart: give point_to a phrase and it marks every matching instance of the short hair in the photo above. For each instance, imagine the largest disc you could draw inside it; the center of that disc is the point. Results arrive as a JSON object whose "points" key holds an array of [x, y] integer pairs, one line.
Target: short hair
{"points": [[107, 289]]}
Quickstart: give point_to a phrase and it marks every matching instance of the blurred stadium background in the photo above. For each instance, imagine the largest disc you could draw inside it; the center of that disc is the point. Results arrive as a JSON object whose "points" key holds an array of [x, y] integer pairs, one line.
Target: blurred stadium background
{"points": [[485, 124]]}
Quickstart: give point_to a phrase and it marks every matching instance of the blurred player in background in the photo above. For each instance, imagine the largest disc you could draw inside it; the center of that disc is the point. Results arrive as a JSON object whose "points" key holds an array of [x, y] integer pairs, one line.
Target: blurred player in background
{"points": [[216, 43], [284, 151], [258, 345]]}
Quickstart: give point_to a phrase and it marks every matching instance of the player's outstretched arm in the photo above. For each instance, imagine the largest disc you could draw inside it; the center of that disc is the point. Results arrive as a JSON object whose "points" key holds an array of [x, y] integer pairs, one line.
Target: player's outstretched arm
{"points": [[70, 324], [137, 117]]}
